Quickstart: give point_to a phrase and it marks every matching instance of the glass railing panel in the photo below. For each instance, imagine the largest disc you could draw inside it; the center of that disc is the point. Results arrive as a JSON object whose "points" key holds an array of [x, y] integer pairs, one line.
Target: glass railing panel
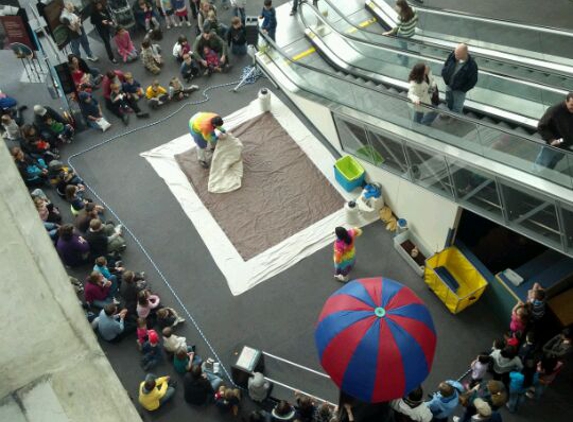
{"points": [[353, 139], [493, 32], [529, 100], [567, 223], [399, 113], [429, 170], [532, 213], [388, 152], [475, 189]]}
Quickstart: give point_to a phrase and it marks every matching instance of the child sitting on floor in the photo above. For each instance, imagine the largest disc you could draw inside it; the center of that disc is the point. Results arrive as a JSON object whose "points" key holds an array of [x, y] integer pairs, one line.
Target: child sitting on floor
{"points": [[152, 355], [132, 87], [177, 91], [124, 45], [156, 95], [212, 59], [150, 57], [141, 332], [11, 128], [168, 317], [64, 132]]}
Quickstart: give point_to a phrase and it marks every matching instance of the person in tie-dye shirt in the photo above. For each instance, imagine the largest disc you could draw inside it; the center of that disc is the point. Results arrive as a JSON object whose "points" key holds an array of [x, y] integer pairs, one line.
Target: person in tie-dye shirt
{"points": [[206, 128], [344, 252]]}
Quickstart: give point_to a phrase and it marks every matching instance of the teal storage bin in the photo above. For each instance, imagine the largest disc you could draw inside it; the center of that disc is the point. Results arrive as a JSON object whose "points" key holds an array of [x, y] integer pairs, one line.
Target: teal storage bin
{"points": [[349, 173]]}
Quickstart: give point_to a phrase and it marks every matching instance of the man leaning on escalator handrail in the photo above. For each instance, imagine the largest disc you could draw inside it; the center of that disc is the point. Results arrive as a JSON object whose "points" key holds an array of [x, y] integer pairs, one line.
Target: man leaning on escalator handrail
{"points": [[556, 129]]}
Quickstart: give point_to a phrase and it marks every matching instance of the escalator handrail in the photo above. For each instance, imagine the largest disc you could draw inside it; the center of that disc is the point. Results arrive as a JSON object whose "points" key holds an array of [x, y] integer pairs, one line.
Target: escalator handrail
{"points": [[453, 115], [433, 45]]}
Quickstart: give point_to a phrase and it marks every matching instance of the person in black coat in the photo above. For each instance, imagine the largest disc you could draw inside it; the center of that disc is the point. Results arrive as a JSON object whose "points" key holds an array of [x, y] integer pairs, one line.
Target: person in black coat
{"points": [[197, 388], [460, 73], [556, 129], [104, 26]]}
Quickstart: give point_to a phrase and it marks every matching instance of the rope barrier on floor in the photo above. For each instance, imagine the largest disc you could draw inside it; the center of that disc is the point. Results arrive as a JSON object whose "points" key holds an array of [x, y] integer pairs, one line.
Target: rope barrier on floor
{"points": [[126, 228]]}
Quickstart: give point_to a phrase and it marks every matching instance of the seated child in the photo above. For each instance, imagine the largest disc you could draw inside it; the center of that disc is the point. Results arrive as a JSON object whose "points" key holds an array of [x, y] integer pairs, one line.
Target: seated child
{"points": [[156, 95], [132, 87], [212, 59], [178, 91], [148, 17], [152, 354], [124, 45], [11, 128], [181, 48], [64, 132], [141, 332], [228, 399], [189, 67], [171, 342], [168, 317], [150, 57]]}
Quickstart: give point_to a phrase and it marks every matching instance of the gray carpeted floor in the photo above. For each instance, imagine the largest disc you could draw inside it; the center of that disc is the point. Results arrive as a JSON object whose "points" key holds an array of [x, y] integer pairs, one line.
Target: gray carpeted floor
{"points": [[278, 315]]}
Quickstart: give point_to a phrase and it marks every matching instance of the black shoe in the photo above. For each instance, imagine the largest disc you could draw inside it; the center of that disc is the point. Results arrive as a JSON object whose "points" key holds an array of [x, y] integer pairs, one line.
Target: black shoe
{"points": [[142, 114], [22, 108], [125, 119]]}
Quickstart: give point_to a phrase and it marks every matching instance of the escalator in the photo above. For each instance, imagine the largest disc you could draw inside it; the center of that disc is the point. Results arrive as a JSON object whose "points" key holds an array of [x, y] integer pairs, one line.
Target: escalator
{"points": [[491, 175], [356, 23], [547, 47], [507, 101]]}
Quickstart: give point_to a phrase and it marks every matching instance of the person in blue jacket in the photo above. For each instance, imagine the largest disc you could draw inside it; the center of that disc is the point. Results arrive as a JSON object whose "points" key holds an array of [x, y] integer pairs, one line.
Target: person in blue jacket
{"points": [[269, 16], [445, 401], [460, 73]]}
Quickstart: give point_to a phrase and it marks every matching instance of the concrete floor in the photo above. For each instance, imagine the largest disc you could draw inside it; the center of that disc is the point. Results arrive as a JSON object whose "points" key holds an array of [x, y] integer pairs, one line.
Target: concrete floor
{"points": [[277, 316]]}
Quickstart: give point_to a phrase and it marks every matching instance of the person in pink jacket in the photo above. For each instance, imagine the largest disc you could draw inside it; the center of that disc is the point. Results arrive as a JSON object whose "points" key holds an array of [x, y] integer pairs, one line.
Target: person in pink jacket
{"points": [[125, 46], [98, 290]]}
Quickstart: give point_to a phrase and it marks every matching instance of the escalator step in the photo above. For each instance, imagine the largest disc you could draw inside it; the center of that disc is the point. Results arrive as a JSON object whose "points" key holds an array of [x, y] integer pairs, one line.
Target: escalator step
{"points": [[488, 120], [521, 130], [472, 115], [504, 125], [393, 90]]}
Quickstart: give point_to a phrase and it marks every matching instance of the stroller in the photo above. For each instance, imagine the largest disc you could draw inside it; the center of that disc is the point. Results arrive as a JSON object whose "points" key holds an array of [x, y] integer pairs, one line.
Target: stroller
{"points": [[122, 13]]}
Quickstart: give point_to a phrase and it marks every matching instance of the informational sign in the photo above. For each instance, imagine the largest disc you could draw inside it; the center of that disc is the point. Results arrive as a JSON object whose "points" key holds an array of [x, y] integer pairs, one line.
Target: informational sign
{"points": [[15, 31]]}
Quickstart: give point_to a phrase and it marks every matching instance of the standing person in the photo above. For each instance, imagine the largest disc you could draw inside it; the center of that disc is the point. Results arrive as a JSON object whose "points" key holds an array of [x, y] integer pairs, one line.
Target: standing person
{"points": [[406, 28], [239, 9], [423, 90], [269, 17], [71, 18], [505, 361], [104, 25], [445, 401], [181, 11], [203, 13], [556, 129], [206, 129], [295, 4], [460, 73], [237, 37], [547, 371], [168, 12], [559, 346], [344, 252], [155, 392]]}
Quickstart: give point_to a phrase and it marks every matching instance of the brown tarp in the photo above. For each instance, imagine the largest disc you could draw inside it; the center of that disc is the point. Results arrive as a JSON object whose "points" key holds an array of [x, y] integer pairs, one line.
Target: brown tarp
{"points": [[282, 193]]}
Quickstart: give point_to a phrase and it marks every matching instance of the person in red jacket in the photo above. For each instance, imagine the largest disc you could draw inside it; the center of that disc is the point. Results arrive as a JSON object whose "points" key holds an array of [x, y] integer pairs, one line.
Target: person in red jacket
{"points": [[99, 291]]}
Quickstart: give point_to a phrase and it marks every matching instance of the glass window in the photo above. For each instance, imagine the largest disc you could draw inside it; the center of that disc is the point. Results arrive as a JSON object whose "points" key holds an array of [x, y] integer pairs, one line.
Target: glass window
{"points": [[567, 219], [354, 140], [388, 153], [532, 212], [429, 170], [476, 189]]}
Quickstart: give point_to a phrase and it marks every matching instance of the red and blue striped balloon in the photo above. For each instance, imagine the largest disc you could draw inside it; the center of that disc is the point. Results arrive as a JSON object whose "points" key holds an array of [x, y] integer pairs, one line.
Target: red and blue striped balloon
{"points": [[376, 339]]}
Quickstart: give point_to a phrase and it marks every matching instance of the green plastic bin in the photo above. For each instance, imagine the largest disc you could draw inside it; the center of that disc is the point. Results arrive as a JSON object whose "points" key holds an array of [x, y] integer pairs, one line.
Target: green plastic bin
{"points": [[349, 173]]}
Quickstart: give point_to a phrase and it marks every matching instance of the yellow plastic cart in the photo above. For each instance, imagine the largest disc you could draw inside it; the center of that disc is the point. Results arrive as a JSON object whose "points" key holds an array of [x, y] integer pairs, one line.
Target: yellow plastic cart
{"points": [[453, 278]]}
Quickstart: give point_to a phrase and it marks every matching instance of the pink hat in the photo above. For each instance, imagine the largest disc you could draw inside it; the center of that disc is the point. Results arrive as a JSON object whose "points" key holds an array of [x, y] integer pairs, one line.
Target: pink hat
{"points": [[152, 337]]}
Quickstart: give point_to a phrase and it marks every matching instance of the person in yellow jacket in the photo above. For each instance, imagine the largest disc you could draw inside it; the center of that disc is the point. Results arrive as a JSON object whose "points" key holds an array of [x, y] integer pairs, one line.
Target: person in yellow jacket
{"points": [[155, 392], [156, 95]]}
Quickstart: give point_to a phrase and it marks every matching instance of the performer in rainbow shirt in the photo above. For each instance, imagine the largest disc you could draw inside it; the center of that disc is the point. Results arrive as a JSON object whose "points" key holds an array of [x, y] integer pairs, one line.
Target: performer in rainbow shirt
{"points": [[344, 252], [206, 129]]}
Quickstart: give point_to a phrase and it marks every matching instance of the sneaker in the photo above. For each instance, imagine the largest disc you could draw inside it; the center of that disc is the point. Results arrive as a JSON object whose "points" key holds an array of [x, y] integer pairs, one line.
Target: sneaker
{"points": [[169, 26], [160, 103], [341, 278], [456, 419], [115, 301], [114, 60], [180, 320], [192, 88], [188, 23], [530, 395], [93, 58]]}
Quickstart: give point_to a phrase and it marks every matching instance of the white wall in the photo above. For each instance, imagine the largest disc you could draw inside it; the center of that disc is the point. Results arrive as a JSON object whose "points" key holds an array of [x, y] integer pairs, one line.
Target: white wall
{"points": [[430, 216], [44, 331]]}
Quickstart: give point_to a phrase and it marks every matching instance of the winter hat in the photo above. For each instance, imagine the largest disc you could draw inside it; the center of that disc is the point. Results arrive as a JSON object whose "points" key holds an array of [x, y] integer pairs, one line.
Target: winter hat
{"points": [[152, 337], [39, 110], [482, 408]]}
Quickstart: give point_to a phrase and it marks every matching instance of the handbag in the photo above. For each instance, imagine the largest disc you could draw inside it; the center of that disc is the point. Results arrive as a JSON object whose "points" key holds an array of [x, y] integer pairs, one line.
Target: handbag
{"points": [[435, 96]]}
